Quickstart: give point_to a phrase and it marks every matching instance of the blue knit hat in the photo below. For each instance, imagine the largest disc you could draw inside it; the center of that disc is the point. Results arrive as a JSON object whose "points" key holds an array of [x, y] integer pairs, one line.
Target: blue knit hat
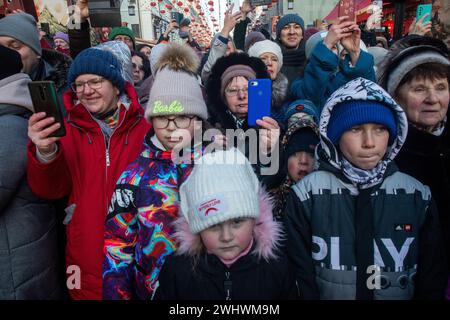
{"points": [[99, 62], [357, 112], [289, 18], [304, 106]]}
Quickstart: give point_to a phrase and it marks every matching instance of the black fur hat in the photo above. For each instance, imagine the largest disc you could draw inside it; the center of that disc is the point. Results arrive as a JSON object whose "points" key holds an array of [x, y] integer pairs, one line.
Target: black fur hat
{"points": [[215, 100]]}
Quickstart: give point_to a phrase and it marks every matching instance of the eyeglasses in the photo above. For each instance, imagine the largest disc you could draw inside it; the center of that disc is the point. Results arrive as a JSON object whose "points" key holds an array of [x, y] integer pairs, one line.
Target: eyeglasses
{"points": [[234, 91], [94, 84], [181, 122], [138, 66]]}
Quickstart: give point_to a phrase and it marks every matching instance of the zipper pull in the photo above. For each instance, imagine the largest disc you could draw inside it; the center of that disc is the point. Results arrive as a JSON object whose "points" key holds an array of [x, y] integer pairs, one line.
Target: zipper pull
{"points": [[108, 163], [227, 285]]}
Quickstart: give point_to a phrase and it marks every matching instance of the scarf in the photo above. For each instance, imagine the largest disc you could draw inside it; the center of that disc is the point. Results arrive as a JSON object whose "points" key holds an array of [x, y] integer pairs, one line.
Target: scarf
{"points": [[294, 57]]}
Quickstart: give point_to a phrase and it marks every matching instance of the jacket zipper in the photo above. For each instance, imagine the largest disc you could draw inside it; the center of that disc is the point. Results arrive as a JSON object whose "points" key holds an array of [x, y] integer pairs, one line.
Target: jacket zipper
{"points": [[227, 285]]}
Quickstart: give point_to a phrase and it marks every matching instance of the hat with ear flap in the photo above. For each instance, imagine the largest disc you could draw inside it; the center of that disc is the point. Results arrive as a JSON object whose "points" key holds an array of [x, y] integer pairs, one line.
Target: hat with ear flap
{"points": [[222, 186]]}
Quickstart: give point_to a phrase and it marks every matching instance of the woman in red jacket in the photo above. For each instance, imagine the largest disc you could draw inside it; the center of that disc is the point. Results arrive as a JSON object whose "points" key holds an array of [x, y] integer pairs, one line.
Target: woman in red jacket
{"points": [[105, 130]]}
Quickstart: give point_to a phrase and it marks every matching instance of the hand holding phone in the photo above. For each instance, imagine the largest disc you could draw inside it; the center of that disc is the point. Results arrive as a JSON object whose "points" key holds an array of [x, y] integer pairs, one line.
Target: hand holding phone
{"points": [[347, 8], [422, 10], [259, 99], [44, 98]]}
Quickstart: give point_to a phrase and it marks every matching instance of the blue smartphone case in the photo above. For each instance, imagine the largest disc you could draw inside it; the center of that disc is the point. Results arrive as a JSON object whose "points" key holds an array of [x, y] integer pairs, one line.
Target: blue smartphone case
{"points": [[259, 99], [422, 9]]}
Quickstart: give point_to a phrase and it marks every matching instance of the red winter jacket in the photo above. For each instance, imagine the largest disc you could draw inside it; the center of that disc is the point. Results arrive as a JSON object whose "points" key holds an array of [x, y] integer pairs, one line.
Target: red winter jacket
{"points": [[81, 171]]}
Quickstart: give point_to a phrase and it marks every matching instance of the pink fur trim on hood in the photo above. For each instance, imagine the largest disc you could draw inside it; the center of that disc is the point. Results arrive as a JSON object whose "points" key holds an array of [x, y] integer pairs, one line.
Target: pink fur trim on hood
{"points": [[267, 232]]}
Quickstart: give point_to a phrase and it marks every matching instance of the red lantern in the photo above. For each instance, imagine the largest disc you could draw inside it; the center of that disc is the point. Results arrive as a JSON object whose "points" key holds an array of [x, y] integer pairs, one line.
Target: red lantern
{"points": [[274, 1], [186, 10], [180, 3], [199, 7], [153, 4], [160, 1], [201, 13], [169, 7], [211, 3], [211, 9], [162, 11]]}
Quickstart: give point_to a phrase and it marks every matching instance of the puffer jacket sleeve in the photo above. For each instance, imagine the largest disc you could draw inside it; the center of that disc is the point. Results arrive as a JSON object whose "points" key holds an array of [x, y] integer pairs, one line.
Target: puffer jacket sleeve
{"points": [[432, 271], [79, 39], [363, 68], [217, 51], [318, 74], [120, 241], [298, 247], [12, 157], [48, 180]]}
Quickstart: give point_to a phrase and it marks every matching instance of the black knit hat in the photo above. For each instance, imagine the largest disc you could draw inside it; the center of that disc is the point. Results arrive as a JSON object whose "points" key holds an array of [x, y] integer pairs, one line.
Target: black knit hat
{"points": [[304, 139], [11, 62]]}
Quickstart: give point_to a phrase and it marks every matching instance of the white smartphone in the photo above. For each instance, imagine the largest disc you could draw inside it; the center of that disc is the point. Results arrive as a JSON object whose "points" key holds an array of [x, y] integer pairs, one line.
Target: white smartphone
{"points": [[236, 5]]}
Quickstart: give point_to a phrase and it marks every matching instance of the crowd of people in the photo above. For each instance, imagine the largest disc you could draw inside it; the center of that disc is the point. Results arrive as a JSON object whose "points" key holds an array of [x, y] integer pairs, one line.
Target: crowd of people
{"points": [[162, 189]]}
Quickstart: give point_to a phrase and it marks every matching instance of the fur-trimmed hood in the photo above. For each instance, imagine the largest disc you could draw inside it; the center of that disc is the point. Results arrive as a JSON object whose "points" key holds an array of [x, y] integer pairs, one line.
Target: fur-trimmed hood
{"points": [[267, 232], [178, 58], [364, 90], [215, 101], [280, 91]]}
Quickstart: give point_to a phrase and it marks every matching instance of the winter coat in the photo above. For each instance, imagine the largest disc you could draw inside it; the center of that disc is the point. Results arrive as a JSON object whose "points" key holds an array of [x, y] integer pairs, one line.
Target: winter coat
{"points": [[280, 99], [325, 73], [263, 274], [240, 30], [53, 66], [139, 231], [79, 38], [86, 168], [426, 157], [218, 49], [281, 193], [324, 212], [28, 238], [293, 62], [222, 119]]}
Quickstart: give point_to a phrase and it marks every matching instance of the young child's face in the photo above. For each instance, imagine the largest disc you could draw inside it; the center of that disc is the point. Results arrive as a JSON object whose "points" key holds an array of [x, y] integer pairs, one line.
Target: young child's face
{"points": [[174, 130], [299, 165], [228, 239], [365, 145]]}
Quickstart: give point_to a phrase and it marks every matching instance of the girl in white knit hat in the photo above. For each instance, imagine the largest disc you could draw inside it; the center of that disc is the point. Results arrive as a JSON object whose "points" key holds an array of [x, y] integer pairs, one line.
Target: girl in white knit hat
{"points": [[228, 241]]}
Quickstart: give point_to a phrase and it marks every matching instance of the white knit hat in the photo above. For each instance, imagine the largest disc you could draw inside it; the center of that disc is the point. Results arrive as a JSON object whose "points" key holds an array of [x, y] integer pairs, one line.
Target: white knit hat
{"points": [[266, 46], [222, 186]]}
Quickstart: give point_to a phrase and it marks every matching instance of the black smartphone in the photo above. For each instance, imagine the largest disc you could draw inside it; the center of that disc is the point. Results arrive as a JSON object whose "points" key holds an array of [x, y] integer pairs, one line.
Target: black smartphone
{"points": [[44, 98], [104, 13]]}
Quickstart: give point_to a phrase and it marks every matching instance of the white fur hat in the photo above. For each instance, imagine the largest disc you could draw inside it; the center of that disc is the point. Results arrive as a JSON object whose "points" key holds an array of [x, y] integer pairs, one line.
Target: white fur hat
{"points": [[222, 186]]}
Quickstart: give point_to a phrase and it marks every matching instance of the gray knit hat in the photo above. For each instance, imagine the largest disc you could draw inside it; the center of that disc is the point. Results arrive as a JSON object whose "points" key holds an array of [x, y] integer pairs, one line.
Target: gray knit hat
{"points": [[176, 89], [404, 67], [221, 187], [22, 27]]}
